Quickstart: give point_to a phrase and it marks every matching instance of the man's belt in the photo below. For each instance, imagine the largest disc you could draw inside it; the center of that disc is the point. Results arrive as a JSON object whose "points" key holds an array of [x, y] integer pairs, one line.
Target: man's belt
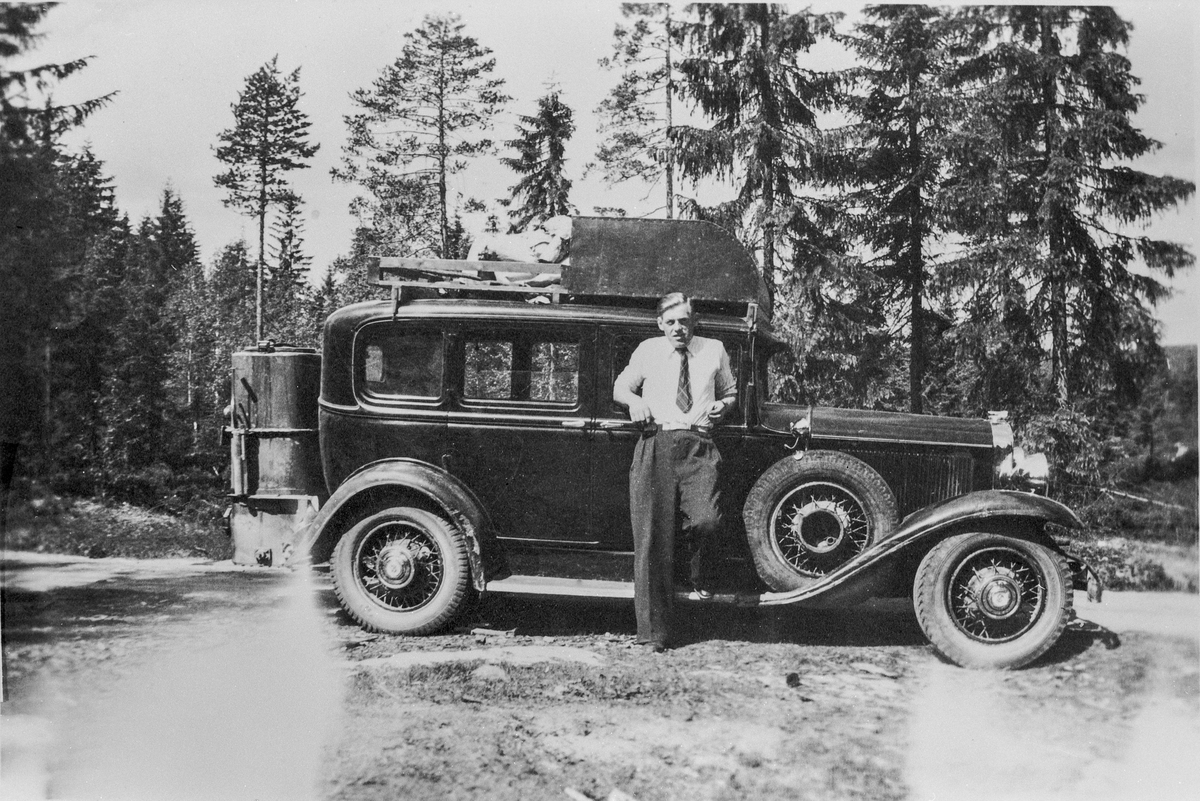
{"points": [[654, 428]]}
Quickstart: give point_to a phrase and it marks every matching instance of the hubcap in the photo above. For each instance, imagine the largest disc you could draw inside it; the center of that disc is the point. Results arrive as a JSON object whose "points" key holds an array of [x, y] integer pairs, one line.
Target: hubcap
{"points": [[1000, 597], [399, 565], [395, 565], [996, 594]]}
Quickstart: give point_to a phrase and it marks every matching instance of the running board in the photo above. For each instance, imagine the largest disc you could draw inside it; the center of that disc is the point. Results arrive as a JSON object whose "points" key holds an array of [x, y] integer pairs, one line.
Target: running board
{"points": [[549, 585], [598, 588]]}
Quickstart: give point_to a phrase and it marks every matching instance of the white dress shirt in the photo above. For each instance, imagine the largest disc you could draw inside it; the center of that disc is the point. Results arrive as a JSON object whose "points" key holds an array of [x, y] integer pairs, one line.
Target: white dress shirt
{"points": [[653, 373]]}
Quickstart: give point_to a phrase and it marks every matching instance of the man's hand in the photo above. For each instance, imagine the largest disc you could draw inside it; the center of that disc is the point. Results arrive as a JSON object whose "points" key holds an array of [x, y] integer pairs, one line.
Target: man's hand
{"points": [[716, 411], [639, 412]]}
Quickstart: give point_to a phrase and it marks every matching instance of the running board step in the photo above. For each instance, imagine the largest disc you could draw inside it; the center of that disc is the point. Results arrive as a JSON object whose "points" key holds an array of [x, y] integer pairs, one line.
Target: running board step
{"points": [[550, 585], [598, 588]]}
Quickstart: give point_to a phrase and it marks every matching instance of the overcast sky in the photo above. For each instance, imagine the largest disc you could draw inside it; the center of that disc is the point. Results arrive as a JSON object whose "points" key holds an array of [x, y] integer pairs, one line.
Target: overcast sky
{"points": [[179, 66]]}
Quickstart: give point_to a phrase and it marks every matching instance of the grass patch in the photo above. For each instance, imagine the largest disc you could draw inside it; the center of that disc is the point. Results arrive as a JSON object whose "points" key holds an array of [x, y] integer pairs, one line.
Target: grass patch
{"points": [[51, 524], [1128, 565]]}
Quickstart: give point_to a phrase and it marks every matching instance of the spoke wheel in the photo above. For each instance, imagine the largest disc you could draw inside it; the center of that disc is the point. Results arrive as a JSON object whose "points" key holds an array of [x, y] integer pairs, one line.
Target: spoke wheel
{"points": [[992, 601], [805, 518], [403, 570], [819, 526]]}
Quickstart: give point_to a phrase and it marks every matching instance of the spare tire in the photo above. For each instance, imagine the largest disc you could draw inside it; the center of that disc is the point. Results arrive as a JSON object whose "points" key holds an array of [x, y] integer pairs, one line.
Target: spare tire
{"points": [[807, 517]]}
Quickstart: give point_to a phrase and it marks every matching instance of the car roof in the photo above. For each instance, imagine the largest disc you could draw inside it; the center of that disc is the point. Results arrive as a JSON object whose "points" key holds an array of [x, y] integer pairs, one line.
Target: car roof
{"points": [[352, 317]]}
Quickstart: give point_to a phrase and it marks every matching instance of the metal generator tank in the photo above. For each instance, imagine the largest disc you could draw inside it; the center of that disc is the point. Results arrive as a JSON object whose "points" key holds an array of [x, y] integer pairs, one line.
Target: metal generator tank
{"points": [[275, 460]]}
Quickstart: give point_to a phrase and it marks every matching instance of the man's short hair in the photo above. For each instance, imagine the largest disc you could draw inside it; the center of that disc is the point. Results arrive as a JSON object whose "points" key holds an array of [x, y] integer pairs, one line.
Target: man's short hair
{"points": [[673, 299]]}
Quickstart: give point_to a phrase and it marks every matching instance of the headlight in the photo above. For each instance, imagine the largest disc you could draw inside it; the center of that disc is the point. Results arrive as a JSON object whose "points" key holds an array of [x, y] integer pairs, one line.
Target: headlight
{"points": [[1020, 470], [1016, 469]]}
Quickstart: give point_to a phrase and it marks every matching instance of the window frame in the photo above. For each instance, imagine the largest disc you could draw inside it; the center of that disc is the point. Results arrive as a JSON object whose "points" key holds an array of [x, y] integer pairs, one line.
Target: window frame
{"points": [[359, 363], [475, 331]]}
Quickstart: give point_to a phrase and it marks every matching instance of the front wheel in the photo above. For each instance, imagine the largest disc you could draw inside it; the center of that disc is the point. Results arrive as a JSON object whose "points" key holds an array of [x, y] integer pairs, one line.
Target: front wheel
{"points": [[402, 571], [988, 600]]}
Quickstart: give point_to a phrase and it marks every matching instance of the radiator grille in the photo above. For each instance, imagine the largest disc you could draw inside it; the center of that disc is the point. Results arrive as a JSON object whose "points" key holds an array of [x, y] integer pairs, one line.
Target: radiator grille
{"points": [[919, 479]]}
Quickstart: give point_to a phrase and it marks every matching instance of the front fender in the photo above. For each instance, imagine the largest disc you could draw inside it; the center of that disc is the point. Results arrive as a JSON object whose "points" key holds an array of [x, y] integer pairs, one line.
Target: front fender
{"points": [[432, 482], [854, 580], [986, 505]]}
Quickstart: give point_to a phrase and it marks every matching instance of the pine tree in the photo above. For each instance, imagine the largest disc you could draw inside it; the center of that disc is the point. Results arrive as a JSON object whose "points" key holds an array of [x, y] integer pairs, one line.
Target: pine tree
{"points": [[1047, 195], [637, 116], [268, 140], [742, 71], [543, 190], [418, 124]]}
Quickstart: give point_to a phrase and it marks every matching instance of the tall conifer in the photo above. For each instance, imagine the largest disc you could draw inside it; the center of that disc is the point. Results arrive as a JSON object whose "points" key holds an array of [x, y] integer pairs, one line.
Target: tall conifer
{"points": [[543, 190], [636, 117], [420, 121], [269, 139], [742, 70], [1046, 193]]}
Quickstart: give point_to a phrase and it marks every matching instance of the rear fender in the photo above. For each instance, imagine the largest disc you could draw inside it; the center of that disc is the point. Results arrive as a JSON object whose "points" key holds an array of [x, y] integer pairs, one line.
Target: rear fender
{"points": [[858, 578], [433, 484]]}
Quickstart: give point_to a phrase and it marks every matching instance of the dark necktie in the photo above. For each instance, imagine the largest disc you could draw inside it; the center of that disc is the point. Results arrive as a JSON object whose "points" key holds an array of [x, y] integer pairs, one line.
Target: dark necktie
{"points": [[683, 396]]}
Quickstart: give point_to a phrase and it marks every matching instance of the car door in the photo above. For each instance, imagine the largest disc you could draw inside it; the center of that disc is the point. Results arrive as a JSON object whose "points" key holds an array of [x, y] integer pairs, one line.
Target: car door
{"points": [[616, 435], [518, 426]]}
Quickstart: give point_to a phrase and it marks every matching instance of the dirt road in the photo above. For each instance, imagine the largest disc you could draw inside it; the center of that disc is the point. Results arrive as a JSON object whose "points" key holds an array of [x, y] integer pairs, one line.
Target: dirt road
{"points": [[187, 680]]}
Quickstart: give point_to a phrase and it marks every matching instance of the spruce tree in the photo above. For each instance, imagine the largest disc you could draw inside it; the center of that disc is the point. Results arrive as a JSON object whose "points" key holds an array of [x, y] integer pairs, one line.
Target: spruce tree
{"points": [[46, 234], [543, 190], [269, 139], [742, 70], [135, 403], [890, 158], [417, 125], [286, 293], [1046, 193], [186, 301]]}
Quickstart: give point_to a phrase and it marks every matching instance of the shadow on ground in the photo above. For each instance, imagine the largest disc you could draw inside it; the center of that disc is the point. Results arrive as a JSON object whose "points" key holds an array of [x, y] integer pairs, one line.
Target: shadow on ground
{"points": [[876, 624]]}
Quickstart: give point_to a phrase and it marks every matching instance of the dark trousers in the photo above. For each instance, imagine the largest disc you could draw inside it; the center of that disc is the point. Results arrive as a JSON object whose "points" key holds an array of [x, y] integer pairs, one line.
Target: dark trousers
{"points": [[673, 473]]}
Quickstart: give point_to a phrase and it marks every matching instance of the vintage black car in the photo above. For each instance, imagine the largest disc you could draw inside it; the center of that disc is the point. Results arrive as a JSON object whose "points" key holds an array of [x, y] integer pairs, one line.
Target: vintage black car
{"points": [[470, 443]]}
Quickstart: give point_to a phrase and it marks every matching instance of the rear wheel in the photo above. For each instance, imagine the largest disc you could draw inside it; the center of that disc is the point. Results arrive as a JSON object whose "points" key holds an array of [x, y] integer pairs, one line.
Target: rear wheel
{"points": [[987, 600], [403, 571]]}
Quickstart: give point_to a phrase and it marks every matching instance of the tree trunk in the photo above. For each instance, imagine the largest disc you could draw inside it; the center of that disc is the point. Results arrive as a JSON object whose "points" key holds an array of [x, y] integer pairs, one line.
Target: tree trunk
{"points": [[670, 120], [764, 30], [916, 366], [443, 219], [1055, 278]]}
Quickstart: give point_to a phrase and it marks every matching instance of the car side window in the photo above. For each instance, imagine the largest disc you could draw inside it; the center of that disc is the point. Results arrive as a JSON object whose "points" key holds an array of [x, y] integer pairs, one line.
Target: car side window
{"points": [[521, 366], [397, 363]]}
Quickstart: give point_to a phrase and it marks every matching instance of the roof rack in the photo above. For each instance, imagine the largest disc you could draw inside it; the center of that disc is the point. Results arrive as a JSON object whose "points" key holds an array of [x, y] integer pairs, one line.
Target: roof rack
{"points": [[616, 258], [447, 274]]}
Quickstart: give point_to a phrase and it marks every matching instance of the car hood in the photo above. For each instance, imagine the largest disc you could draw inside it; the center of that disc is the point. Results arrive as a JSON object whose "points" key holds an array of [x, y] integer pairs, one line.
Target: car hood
{"points": [[829, 423]]}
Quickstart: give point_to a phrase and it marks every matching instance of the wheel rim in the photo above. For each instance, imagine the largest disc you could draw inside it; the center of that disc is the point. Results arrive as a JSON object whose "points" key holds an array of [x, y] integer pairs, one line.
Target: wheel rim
{"points": [[399, 566], [819, 526], [996, 594]]}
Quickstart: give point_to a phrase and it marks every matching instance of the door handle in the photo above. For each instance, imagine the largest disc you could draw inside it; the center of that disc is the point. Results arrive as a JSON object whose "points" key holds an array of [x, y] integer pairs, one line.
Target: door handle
{"points": [[611, 425], [575, 423]]}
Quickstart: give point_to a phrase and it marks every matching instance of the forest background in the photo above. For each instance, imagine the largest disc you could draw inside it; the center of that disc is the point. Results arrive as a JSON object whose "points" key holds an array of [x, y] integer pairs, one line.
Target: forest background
{"points": [[947, 204]]}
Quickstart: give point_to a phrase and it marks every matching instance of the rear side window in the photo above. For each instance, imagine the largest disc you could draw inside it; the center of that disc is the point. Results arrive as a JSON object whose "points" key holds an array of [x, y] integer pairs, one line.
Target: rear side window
{"points": [[521, 367], [399, 363]]}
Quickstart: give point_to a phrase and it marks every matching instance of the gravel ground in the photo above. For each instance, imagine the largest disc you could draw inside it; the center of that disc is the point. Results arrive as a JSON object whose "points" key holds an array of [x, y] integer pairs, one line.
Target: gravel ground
{"points": [[188, 679]]}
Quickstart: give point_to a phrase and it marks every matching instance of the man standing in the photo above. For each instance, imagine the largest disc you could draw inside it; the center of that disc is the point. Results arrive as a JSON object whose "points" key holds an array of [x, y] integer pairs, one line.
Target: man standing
{"points": [[680, 386]]}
